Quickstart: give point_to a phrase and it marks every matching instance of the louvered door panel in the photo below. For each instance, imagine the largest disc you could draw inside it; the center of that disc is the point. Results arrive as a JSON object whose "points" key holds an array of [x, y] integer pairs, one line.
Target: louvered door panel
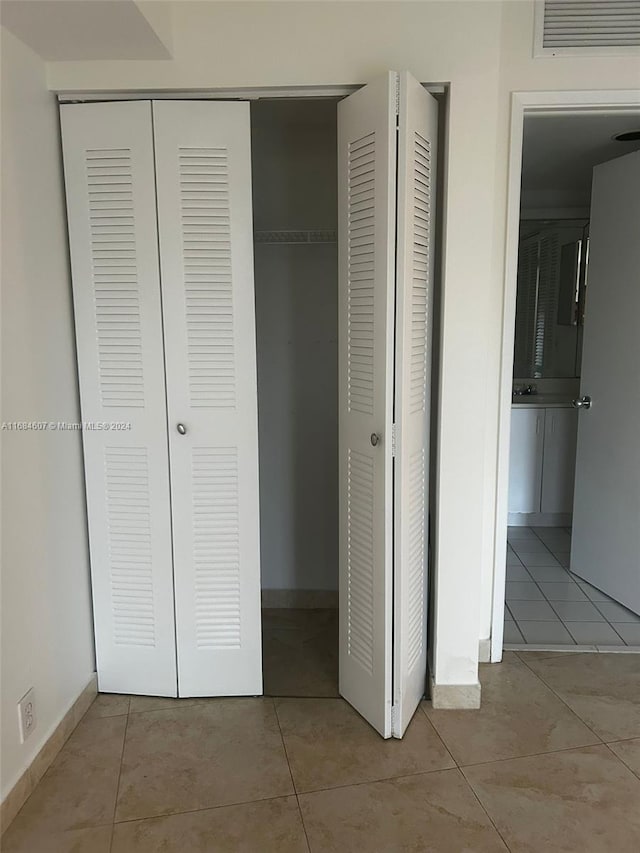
{"points": [[110, 186], [360, 545], [366, 186], [417, 137], [206, 255], [361, 283]]}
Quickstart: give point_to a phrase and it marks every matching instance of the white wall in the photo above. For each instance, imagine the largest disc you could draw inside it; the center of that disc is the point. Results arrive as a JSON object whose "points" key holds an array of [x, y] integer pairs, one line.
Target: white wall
{"points": [[484, 50], [46, 614], [519, 71], [294, 152]]}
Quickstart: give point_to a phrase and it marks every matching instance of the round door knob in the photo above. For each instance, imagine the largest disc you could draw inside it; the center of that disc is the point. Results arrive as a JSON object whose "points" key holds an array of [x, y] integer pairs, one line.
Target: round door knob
{"points": [[375, 438], [582, 403], [181, 429]]}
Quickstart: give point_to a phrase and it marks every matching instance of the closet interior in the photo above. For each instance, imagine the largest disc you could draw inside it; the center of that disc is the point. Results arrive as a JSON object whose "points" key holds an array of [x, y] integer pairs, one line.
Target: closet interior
{"points": [[294, 182]]}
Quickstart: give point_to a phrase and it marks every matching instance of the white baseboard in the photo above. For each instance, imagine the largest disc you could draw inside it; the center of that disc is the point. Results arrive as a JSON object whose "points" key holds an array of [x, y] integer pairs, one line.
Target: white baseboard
{"points": [[455, 696], [23, 788], [484, 650], [304, 599]]}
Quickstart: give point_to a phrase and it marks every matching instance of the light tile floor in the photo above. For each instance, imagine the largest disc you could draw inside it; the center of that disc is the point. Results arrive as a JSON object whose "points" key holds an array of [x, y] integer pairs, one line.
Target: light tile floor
{"points": [[550, 762], [548, 606]]}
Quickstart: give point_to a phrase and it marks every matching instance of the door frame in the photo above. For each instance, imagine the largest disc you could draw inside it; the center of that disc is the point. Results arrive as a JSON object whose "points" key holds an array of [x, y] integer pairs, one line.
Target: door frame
{"points": [[569, 102], [247, 93], [66, 96]]}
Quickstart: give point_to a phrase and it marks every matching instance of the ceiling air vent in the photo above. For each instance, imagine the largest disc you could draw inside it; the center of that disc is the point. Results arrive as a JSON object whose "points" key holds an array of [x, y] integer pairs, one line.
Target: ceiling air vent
{"points": [[583, 27]]}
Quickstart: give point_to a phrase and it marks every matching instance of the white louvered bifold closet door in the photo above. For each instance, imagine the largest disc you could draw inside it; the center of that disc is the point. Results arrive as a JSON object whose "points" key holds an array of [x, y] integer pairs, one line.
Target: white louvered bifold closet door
{"points": [[206, 253], [367, 203], [110, 187], [417, 139]]}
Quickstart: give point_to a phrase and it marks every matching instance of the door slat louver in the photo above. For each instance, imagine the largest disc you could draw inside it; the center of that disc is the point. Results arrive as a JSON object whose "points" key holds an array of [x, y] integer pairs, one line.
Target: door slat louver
{"points": [[420, 271], [416, 568], [216, 547], [360, 559], [115, 277], [360, 283], [206, 248], [130, 545]]}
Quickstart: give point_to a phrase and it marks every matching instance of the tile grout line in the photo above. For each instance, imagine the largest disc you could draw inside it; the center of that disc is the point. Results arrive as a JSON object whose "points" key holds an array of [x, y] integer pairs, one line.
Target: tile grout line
{"points": [[440, 738], [483, 807], [575, 713], [378, 781], [115, 804], [200, 809], [595, 604], [464, 767], [293, 782], [621, 760], [622, 739]]}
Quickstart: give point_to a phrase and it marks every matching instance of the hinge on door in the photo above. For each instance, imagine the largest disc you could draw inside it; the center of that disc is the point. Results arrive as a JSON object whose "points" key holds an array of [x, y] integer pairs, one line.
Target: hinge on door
{"points": [[394, 445], [397, 97], [395, 720]]}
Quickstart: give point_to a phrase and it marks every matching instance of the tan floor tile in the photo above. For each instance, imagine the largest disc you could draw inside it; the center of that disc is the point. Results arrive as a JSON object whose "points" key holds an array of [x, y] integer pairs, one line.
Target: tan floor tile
{"points": [[162, 703], [329, 744], [300, 653], [94, 840], [429, 813], [222, 752], [629, 752], [108, 705], [581, 800], [270, 826], [518, 716], [79, 789], [507, 657], [603, 689], [541, 654], [15, 799]]}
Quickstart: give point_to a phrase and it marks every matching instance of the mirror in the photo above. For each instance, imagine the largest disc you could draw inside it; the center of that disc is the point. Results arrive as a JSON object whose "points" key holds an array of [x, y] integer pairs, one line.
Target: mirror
{"points": [[552, 261]]}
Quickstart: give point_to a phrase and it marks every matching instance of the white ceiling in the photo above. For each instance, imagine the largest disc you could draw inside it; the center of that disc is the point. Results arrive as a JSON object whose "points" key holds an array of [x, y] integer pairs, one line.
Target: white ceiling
{"points": [[560, 151], [85, 29]]}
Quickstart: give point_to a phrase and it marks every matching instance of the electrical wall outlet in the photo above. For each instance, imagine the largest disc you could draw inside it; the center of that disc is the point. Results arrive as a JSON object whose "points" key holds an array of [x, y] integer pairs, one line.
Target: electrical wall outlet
{"points": [[27, 715]]}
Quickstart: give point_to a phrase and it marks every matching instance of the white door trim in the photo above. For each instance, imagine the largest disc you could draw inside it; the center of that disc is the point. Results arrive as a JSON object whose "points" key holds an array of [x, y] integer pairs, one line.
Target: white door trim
{"points": [[576, 102]]}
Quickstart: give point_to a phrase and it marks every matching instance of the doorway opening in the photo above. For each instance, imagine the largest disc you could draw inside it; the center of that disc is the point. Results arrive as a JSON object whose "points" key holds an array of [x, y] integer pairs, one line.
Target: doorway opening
{"points": [[294, 168], [552, 598]]}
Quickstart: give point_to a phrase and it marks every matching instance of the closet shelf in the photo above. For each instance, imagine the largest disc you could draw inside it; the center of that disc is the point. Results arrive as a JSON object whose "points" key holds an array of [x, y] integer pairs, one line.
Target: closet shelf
{"points": [[284, 237]]}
